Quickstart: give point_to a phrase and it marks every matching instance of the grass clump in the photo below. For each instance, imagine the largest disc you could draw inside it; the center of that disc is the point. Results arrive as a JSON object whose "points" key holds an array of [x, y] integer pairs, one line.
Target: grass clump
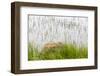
{"points": [[32, 53], [65, 51]]}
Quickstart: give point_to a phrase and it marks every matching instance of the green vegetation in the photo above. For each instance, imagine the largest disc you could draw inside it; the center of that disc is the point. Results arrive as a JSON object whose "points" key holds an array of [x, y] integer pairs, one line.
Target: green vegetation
{"points": [[65, 51]]}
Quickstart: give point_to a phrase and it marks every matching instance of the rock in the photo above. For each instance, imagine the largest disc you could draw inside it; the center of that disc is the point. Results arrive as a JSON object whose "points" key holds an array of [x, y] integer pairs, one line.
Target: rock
{"points": [[52, 45]]}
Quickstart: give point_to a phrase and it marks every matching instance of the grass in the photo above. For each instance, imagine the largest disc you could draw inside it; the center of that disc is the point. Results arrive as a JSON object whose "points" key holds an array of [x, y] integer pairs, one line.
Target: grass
{"points": [[65, 51]]}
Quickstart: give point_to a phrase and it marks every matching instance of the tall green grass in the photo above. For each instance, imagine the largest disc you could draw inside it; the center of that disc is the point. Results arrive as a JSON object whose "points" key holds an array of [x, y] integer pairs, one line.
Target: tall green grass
{"points": [[32, 53], [66, 51]]}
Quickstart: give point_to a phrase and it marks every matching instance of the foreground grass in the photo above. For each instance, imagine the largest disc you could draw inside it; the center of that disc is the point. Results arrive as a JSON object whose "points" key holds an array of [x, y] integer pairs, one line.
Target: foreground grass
{"points": [[66, 51]]}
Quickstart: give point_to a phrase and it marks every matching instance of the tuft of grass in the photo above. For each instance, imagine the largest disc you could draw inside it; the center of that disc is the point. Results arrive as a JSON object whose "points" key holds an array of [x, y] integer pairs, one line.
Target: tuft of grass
{"points": [[65, 51], [32, 53]]}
